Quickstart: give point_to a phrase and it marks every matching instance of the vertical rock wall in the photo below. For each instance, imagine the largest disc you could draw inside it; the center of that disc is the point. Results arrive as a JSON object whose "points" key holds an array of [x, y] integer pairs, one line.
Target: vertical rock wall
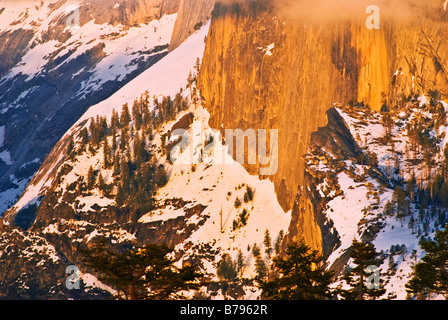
{"points": [[261, 71]]}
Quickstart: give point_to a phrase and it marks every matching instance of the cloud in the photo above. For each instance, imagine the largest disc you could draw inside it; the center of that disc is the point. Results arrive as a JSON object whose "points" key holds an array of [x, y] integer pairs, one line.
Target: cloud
{"points": [[334, 10]]}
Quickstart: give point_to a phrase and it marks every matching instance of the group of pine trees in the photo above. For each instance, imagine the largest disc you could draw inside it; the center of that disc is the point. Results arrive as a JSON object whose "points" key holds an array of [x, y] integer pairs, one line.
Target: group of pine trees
{"points": [[125, 143], [142, 273], [301, 273], [231, 271], [431, 273], [423, 203], [425, 206]]}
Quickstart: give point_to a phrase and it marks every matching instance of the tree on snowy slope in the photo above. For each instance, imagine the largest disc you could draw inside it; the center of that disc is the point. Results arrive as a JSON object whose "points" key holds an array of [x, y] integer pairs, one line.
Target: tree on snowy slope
{"points": [[145, 273], [400, 201], [364, 256], [302, 276], [431, 274], [227, 269]]}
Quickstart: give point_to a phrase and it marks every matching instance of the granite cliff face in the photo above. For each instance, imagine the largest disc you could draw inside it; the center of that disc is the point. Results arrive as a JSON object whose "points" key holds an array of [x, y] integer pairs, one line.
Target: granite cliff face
{"points": [[264, 71]]}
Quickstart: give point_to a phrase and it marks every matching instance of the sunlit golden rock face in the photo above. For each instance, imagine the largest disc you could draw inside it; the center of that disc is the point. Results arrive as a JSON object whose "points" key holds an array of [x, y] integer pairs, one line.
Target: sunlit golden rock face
{"points": [[263, 70]]}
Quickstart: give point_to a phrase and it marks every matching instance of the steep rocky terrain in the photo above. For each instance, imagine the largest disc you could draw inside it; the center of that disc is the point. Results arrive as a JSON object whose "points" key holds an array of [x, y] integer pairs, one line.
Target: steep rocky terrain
{"points": [[344, 100]]}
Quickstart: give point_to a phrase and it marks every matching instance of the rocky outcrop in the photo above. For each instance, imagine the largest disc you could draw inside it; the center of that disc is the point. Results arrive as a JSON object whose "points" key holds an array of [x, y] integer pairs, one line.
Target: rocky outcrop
{"points": [[308, 220], [192, 15], [126, 12], [12, 48]]}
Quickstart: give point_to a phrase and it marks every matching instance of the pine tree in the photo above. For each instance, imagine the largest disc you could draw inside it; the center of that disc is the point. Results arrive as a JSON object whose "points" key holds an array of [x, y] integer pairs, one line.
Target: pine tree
{"points": [[255, 250], [103, 127], [115, 120], [428, 160], [261, 269], [302, 276], [197, 66], [106, 155], [400, 201], [116, 166], [90, 178], [178, 102], [226, 270], [120, 197], [161, 176], [363, 255], [96, 131], [139, 151], [240, 264], [70, 148], [125, 175], [124, 141], [388, 123], [430, 275], [84, 137], [410, 187], [137, 115], [278, 242], [125, 117], [267, 243], [411, 224], [101, 184], [190, 79]]}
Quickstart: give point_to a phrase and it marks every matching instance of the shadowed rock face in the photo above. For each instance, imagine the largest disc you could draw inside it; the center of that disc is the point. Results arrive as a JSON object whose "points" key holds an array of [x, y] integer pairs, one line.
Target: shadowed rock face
{"points": [[12, 47], [308, 219], [262, 71]]}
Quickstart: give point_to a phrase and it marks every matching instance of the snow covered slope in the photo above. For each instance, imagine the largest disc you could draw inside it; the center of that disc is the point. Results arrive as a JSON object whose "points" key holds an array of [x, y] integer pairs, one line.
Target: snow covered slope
{"points": [[236, 222], [166, 77], [363, 205], [58, 59]]}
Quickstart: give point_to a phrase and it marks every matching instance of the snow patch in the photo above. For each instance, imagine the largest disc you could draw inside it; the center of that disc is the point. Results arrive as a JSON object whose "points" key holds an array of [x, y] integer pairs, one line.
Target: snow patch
{"points": [[268, 50], [5, 156], [35, 59]]}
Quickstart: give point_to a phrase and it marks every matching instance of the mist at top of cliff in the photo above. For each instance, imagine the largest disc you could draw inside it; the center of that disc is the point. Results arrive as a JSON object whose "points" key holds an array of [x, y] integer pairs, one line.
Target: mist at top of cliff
{"points": [[322, 11]]}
